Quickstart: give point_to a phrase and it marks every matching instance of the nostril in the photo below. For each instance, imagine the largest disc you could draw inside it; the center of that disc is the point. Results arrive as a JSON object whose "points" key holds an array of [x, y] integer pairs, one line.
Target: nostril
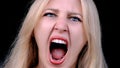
{"points": [[65, 30], [56, 28]]}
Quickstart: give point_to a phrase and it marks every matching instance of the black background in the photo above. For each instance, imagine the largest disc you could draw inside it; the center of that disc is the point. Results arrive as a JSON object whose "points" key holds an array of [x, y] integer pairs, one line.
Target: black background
{"points": [[14, 11]]}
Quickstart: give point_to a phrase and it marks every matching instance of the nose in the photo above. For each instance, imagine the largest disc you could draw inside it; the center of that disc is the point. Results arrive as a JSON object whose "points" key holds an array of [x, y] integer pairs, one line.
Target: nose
{"points": [[61, 25]]}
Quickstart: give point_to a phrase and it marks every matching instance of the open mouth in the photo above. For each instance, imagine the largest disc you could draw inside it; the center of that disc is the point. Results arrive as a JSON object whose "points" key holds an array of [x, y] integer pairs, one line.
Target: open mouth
{"points": [[58, 49]]}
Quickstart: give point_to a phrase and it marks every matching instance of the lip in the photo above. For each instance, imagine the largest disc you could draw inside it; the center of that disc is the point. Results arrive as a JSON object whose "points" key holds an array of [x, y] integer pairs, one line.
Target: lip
{"points": [[57, 62]]}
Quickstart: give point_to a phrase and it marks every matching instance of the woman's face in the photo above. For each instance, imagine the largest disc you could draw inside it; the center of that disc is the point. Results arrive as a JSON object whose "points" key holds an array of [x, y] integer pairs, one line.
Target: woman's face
{"points": [[59, 34]]}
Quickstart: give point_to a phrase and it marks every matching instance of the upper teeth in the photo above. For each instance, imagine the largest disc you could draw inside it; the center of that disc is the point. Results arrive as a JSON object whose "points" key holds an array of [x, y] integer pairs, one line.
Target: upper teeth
{"points": [[59, 41]]}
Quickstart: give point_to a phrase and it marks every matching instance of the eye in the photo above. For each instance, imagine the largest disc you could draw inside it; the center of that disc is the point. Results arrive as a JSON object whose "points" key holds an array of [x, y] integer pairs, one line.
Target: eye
{"points": [[75, 19], [49, 14]]}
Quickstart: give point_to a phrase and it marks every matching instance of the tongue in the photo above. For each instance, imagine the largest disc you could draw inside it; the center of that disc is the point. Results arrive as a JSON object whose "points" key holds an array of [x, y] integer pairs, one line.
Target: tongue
{"points": [[58, 54]]}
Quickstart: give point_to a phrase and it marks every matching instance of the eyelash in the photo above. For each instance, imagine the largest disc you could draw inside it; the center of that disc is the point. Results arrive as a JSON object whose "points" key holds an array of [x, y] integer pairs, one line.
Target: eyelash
{"points": [[49, 14], [75, 19], [72, 18]]}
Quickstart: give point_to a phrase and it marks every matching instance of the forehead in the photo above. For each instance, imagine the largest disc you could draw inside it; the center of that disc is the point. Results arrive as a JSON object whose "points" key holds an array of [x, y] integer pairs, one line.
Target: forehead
{"points": [[71, 5]]}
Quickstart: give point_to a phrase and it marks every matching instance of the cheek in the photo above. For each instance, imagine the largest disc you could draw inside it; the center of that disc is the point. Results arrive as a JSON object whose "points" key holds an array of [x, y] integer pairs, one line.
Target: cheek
{"points": [[44, 27], [42, 31], [78, 37]]}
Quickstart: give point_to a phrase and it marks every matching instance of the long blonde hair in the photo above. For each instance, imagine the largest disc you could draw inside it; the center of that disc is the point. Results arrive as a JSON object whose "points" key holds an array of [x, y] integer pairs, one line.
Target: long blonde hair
{"points": [[93, 56], [24, 53]]}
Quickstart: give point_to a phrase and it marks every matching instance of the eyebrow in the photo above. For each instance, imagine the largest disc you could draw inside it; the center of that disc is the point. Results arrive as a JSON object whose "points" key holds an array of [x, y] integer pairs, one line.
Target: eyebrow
{"points": [[55, 10], [74, 13], [69, 12]]}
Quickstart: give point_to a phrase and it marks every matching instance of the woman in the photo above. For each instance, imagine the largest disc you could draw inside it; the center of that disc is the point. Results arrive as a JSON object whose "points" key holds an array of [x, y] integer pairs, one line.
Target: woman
{"points": [[59, 34]]}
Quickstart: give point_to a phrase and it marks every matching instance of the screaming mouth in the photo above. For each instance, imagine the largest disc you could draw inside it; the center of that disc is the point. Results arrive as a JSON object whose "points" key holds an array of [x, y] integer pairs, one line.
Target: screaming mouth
{"points": [[58, 50]]}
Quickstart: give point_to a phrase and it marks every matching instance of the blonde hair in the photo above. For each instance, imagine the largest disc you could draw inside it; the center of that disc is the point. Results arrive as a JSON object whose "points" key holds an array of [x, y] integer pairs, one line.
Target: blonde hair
{"points": [[93, 56], [24, 53]]}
